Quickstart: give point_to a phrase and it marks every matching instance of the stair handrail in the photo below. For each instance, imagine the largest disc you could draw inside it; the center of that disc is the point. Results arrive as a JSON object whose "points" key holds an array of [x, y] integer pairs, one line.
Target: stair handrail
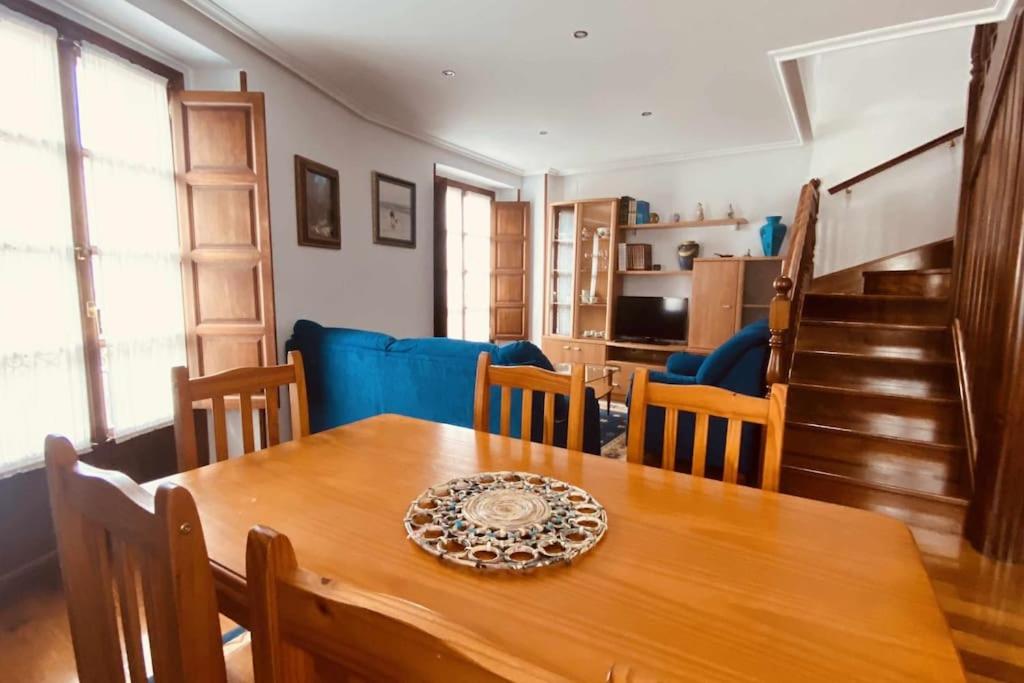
{"points": [[792, 284], [950, 137]]}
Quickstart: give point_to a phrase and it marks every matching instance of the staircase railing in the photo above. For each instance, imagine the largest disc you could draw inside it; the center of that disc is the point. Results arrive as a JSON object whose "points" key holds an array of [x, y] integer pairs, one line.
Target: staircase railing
{"points": [[949, 137], [792, 284]]}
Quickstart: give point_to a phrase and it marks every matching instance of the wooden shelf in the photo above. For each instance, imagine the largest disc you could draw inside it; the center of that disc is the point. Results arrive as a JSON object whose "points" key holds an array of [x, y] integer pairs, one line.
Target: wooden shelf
{"points": [[709, 223], [654, 272], [594, 305], [671, 348], [738, 258]]}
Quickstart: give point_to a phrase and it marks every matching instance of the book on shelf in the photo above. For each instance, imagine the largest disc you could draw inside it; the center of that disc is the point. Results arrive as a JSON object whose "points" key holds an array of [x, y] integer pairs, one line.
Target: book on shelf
{"points": [[643, 213], [624, 209]]}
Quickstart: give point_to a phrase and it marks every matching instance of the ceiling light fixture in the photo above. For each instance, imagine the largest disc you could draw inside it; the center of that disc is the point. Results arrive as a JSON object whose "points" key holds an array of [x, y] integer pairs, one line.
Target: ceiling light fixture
{"points": [[645, 114], [579, 35], [448, 73], [543, 132]]}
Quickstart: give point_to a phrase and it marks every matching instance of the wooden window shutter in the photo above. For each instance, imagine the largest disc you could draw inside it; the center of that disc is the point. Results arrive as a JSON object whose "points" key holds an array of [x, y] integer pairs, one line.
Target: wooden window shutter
{"points": [[510, 243], [220, 162]]}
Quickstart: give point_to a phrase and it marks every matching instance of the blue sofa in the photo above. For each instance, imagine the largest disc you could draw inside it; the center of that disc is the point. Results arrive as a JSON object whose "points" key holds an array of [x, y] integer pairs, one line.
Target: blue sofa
{"points": [[737, 365], [354, 374]]}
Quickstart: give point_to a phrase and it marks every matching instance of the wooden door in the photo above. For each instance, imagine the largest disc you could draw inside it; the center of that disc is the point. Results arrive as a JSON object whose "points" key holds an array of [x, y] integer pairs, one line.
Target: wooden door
{"points": [[714, 302], [510, 245], [223, 208]]}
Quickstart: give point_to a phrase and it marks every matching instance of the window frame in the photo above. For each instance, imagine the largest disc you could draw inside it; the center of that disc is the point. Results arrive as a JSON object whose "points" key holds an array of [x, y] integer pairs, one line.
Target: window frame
{"points": [[70, 35]]}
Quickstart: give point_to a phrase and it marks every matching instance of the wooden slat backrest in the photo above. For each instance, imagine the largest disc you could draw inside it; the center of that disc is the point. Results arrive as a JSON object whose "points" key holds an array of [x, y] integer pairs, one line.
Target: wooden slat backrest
{"points": [[242, 383], [529, 379], [114, 539], [706, 402], [301, 621]]}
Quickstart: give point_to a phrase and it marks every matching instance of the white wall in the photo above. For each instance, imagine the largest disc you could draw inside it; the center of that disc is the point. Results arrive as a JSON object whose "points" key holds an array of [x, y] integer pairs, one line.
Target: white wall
{"points": [[872, 103], [363, 285], [757, 185], [534, 191]]}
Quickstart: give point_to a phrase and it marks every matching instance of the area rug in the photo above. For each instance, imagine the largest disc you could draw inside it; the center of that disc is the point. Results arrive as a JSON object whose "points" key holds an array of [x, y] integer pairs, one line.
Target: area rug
{"points": [[613, 431]]}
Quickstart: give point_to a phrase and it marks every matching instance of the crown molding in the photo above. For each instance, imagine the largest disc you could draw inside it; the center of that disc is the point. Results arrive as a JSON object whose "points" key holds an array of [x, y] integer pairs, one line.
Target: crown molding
{"points": [[249, 35], [998, 12], [658, 160], [793, 96]]}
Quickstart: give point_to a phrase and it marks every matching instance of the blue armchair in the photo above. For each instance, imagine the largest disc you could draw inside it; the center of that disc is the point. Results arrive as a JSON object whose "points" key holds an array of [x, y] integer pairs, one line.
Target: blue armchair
{"points": [[737, 365]]}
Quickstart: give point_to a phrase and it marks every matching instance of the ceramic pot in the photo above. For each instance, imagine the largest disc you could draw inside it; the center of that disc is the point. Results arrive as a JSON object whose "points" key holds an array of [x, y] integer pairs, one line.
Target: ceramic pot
{"points": [[686, 252], [772, 233]]}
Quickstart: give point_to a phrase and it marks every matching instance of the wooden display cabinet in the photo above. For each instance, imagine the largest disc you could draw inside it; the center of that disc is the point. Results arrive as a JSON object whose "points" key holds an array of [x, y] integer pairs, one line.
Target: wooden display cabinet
{"points": [[729, 293], [582, 283], [578, 279]]}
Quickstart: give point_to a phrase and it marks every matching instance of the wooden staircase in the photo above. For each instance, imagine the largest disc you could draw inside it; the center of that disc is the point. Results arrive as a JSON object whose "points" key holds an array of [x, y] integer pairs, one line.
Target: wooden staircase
{"points": [[874, 417]]}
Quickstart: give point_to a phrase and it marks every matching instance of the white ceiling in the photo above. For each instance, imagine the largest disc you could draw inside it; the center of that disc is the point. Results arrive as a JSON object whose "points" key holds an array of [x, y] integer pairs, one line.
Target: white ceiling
{"points": [[704, 68]]}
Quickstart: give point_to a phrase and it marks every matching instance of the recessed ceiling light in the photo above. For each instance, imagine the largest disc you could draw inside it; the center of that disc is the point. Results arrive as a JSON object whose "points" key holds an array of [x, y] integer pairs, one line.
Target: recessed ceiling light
{"points": [[448, 73], [579, 35], [543, 132], [645, 114]]}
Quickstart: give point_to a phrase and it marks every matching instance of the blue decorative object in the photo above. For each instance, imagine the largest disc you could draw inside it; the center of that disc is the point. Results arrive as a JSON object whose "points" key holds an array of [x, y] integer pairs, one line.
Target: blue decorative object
{"points": [[772, 233]]}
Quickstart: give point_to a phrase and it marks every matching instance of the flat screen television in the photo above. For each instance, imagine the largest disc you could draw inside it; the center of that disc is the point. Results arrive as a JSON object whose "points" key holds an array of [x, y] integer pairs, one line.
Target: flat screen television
{"points": [[651, 318]]}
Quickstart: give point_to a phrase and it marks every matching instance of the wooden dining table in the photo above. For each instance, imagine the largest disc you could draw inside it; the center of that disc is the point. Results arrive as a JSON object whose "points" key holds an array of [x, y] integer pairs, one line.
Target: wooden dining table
{"points": [[693, 580]]}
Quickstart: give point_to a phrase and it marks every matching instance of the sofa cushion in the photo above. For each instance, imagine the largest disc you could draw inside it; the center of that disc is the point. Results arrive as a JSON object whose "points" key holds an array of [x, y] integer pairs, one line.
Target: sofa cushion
{"points": [[684, 363], [716, 366], [521, 353]]}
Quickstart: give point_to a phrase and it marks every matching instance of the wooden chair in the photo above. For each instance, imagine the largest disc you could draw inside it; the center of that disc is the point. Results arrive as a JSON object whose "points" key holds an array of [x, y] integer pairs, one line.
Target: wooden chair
{"points": [[706, 401], [301, 622], [112, 538], [529, 379], [243, 383]]}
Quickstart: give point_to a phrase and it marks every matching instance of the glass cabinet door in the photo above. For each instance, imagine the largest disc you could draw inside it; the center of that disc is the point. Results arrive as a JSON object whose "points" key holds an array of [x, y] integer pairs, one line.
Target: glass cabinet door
{"points": [[563, 258]]}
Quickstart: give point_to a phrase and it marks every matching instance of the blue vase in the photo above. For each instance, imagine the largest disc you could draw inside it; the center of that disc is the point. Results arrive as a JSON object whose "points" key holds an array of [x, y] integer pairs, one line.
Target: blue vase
{"points": [[772, 233]]}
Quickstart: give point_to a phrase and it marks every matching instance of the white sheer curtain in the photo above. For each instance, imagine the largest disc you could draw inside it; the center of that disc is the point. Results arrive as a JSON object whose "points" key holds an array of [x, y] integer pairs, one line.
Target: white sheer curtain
{"points": [[476, 225], [42, 366], [468, 223], [133, 226]]}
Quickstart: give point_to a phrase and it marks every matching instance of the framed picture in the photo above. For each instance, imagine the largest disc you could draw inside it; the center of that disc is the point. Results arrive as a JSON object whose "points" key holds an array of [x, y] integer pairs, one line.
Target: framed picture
{"points": [[394, 211], [317, 204]]}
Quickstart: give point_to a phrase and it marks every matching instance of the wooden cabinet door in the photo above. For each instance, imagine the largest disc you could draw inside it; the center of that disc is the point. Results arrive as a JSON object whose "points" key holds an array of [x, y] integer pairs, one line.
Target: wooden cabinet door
{"points": [[714, 303], [223, 209], [510, 311], [557, 350]]}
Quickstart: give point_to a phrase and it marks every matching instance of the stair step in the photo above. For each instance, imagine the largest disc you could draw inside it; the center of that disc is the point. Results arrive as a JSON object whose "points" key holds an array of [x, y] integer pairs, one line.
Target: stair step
{"points": [[877, 308], [944, 514], [898, 417], [934, 282], [910, 481], [871, 450], [923, 378], [924, 343]]}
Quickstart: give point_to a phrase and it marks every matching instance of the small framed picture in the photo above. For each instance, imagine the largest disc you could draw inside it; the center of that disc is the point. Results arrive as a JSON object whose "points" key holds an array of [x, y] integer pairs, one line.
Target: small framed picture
{"points": [[318, 204], [394, 211]]}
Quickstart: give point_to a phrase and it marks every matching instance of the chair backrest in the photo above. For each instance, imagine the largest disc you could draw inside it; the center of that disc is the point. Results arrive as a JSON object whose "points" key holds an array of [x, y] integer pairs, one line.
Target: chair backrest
{"points": [[113, 537], [705, 402], [243, 383], [301, 622], [529, 379]]}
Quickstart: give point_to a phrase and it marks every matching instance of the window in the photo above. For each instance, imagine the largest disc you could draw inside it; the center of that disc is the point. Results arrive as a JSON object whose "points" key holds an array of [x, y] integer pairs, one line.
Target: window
{"points": [[42, 366], [89, 256], [468, 222]]}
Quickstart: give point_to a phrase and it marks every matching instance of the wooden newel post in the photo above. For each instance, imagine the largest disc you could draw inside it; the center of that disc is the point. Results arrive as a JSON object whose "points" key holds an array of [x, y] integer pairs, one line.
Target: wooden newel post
{"points": [[778, 325]]}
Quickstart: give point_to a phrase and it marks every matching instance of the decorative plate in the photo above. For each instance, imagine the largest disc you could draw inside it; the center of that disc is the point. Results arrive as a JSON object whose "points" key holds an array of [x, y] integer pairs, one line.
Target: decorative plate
{"points": [[506, 520]]}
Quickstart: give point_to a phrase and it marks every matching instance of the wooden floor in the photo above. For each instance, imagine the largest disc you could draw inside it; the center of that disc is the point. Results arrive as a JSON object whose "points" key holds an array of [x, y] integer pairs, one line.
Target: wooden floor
{"points": [[983, 602]]}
